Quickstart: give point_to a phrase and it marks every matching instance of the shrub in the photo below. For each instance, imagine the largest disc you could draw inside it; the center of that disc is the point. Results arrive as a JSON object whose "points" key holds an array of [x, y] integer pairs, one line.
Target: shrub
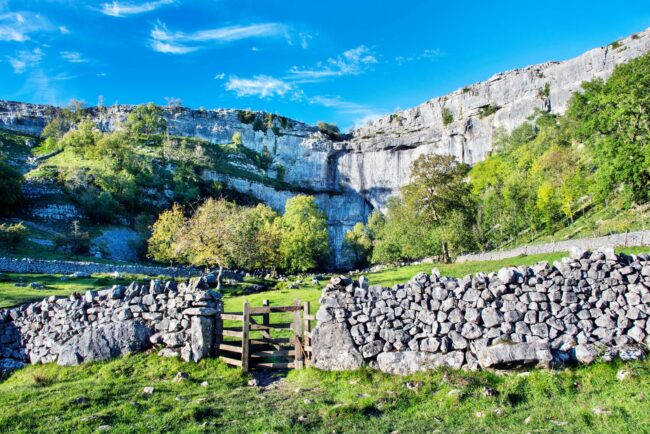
{"points": [[75, 242], [11, 236], [447, 116], [330, 130], [544, 92], [10, 188], [488, 110], [246, 116]]}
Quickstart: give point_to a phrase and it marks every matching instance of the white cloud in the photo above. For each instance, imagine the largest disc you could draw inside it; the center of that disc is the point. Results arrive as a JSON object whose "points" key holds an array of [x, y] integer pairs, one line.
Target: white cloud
{"points": [[125, 9], [64, 30], [73, 57], [220, 76], [25, 59], [352, 62], [304, 40], [17, 26], [362, 113], [262, 86], [165, 41], [423, 55]]}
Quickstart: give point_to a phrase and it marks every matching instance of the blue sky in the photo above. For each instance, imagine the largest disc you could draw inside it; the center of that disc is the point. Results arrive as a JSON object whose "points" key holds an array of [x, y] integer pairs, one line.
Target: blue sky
{"points": [[336, 61]]}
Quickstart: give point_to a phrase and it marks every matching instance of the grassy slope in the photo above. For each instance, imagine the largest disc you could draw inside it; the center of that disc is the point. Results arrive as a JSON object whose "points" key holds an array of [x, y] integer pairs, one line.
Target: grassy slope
{"points": [[55, 399]]}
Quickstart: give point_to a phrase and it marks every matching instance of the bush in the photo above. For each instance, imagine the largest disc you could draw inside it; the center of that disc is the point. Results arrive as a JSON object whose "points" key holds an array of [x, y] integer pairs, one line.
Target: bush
{"points": [[330, 130], [246, 116], [10, 188], [11, 236], [447, 116], [75, 242], [488, 110]]}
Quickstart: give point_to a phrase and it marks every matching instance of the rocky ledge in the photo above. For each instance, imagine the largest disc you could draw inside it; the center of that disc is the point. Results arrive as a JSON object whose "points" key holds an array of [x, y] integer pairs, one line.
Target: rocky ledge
{"points": [[585, 307]]}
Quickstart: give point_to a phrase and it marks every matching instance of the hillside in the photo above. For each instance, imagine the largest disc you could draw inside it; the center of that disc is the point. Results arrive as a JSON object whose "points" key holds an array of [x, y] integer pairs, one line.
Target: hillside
{"points": [[278, 157]]}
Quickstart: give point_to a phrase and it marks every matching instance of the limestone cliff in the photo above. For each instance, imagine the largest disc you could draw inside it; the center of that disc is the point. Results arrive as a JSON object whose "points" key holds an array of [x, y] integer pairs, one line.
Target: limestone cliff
{"points": [[351, 177]]}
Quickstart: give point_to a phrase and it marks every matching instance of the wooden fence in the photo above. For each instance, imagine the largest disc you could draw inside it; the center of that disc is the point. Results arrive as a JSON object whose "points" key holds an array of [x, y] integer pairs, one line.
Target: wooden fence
{"points": [[251, 340]]}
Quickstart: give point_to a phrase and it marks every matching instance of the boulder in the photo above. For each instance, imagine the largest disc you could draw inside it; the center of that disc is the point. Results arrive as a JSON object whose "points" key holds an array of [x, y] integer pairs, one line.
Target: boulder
{"points": [[585, 354], [104, 342], [515, 355], [408, 362], [334, 349]]}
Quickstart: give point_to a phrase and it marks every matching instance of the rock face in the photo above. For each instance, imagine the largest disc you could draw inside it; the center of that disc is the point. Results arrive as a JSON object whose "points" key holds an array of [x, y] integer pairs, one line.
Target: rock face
{"points": [[351, 177], [577, 309], [114, 322]]}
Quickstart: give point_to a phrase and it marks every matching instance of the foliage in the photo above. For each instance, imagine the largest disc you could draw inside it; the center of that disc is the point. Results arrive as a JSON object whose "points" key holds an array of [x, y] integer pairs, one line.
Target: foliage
{"points": [[613, 120], [305, 241], [488, 110], [357, 244], [165, 234], [11, 236], [76, 242], [447, 116], [10, 188], [147, 119], [246, 116], [330, 130], [258, 238]]}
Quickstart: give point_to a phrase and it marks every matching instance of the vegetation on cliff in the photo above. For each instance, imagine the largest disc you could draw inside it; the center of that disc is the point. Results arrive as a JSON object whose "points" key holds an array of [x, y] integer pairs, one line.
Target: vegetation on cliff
{"points": [[538, 179]]}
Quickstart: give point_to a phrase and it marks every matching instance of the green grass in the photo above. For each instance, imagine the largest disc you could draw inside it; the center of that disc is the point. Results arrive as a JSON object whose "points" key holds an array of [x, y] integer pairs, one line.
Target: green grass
{"points": [[56, 284], [48, 398]]}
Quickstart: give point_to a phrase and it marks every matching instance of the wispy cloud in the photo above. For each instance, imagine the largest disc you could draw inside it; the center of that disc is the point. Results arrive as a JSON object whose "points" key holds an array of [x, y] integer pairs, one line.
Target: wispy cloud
{"points": [[362, 113], [166, 41], [73, 57], [262, 86], [25, 59], [17, 26], [352, 62], [432, 53], [126, 9]]}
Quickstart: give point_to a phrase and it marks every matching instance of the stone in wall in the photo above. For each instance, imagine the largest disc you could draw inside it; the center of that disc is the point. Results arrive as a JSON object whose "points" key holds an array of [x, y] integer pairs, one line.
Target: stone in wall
{"points": [[543, 315], [113, 322]]}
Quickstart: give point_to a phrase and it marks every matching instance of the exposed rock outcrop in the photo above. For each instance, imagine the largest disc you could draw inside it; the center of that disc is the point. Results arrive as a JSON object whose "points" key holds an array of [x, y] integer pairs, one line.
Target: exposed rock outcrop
{"points": [[353, 176]]}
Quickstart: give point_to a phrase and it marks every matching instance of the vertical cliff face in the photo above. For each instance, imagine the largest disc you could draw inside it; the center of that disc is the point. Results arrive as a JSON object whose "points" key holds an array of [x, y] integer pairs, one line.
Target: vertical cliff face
{"points": [[377, 160], [351, 178]]}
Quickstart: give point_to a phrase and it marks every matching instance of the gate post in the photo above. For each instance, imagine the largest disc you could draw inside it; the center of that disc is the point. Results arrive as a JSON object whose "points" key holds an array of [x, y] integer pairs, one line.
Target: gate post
{"points": [[245, 342], [306, 315], [297, 332]]}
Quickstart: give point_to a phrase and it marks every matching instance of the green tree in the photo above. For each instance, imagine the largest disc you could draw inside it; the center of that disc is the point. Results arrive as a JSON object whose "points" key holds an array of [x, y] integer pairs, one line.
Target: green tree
{"points": [[11, 236], [166, 233], [439, 188], [259, 237], [10, 188], [210, 236], [147, 119], [613, 120], [357, 244], [305, 241]]}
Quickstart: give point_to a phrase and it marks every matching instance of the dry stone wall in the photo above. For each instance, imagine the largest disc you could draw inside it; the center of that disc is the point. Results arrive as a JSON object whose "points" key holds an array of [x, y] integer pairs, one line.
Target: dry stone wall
{"points": [[180, 318], [586, 306], [46, 266]]}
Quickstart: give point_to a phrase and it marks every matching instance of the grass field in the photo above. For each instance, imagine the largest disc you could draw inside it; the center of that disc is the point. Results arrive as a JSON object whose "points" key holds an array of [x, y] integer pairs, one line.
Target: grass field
{"points": [[59, 285], [109, 397]]}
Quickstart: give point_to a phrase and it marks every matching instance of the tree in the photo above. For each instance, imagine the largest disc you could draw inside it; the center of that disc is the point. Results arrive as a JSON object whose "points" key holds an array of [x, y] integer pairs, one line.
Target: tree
{"points": [[357, 244], [330, 130], [438, 189], [11, 236], [259, 238], [10, 188], [75, 242], [166, 233], [210, 236], [613, 120], [305, 241], [147, 119]]}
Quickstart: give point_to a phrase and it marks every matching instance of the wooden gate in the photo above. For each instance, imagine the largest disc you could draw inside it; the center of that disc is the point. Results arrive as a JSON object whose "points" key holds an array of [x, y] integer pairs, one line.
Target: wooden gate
{"points": [[256, 338]]}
